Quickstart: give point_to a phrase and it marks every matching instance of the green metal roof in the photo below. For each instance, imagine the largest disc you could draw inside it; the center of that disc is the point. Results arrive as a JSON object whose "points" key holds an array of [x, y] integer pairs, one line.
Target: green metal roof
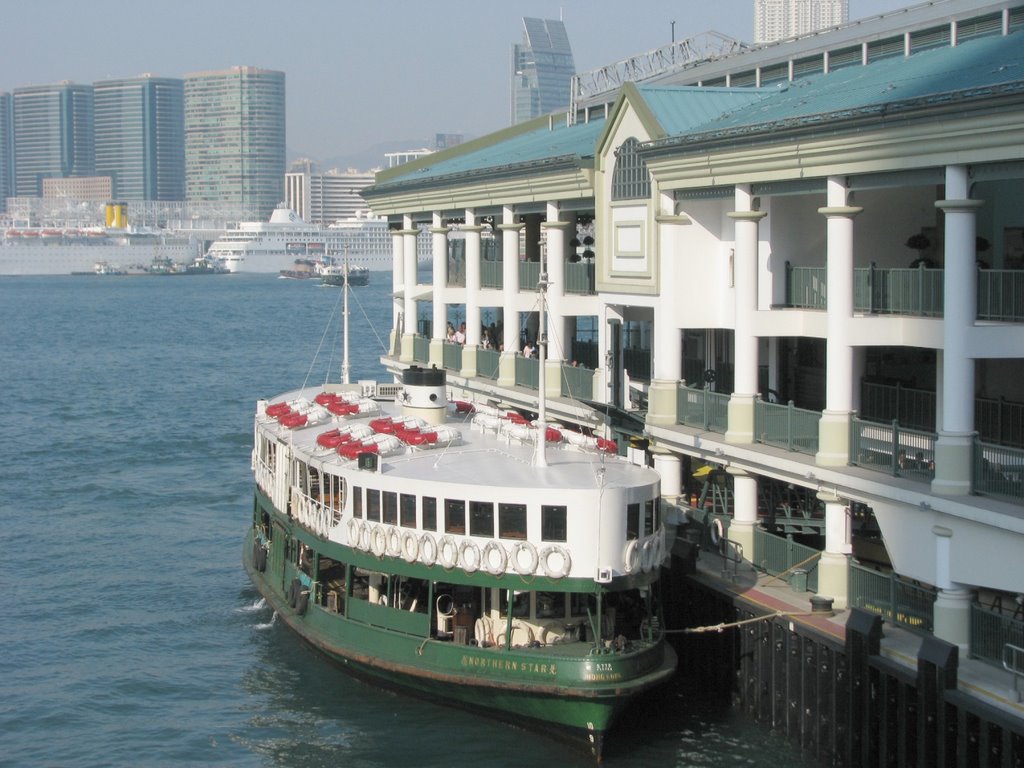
{"points": [[682, 109]]}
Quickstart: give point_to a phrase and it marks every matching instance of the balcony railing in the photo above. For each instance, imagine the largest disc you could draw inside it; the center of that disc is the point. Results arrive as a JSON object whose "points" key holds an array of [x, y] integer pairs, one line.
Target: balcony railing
{"points": [[806, 287], [529, 275], [490, 274], [487, 363], [1001, 295], [916, 291], [786, 426], [579, 277], [894, 449], [896, 600], [577, 383], [991, 630], [452, 356], [702, 408], [638, 363], [421, 349], [527, 372], [999, 471]]}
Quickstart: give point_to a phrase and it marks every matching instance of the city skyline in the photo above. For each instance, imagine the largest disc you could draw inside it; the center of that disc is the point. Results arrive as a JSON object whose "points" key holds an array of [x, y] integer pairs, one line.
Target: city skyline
{"points": [[351, 69]]}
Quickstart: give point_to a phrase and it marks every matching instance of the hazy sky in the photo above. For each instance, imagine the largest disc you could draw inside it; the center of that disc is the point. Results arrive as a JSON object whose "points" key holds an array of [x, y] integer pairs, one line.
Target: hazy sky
{"points": [[357, 73]]}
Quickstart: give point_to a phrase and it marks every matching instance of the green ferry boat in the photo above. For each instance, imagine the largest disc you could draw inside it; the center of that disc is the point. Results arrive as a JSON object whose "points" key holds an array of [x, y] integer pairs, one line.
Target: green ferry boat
{"points": [[461, 552]]}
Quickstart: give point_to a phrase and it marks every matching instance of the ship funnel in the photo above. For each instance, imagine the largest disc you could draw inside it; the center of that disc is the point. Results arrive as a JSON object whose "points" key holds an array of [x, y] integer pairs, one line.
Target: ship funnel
{"points": [[423, 394]]}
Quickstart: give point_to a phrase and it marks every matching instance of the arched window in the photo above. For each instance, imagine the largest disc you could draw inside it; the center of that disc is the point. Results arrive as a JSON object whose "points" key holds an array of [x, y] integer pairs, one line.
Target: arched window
{"points": [[630, 180]]}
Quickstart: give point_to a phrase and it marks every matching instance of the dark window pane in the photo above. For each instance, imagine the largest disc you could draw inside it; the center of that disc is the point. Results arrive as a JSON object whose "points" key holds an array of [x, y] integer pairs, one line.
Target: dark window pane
{"points": [[429, 513], [481, 519], [357, 501], [408, 508], [648, 517], [551, 605], [633, 521], [454, 516], [390, 507], [552, 523], [512, 521], [373, 505]]}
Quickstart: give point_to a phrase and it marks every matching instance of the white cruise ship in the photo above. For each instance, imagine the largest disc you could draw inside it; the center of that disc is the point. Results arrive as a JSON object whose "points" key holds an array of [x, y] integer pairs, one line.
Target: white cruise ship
{"points": [[274, 245]]}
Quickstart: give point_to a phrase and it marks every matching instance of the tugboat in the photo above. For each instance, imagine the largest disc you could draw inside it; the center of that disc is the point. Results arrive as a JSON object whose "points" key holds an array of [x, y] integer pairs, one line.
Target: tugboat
{"points": [[464, 552]]}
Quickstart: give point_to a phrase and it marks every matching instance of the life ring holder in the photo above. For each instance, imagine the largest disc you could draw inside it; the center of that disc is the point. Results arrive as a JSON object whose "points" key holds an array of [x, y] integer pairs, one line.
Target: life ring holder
{"points": [[717, 531], [428, 549], [410, 547], [545, 561], [378, 541], [447, 552], [631, 557], [393, 548], [532, 562], [471, 563], [489, 565]]}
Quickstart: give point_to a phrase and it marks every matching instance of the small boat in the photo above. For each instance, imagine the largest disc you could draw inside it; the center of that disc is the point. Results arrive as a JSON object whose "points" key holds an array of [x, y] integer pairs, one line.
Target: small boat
{"points": [[335, 275]]}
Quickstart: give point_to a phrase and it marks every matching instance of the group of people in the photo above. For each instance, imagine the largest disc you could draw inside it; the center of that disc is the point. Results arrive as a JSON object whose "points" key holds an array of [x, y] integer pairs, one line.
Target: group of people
{"points": [[489, 336]]}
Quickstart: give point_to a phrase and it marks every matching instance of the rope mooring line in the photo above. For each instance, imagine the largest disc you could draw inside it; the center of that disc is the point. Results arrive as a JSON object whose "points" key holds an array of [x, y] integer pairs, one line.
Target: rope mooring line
{"points": [[729, 625]]}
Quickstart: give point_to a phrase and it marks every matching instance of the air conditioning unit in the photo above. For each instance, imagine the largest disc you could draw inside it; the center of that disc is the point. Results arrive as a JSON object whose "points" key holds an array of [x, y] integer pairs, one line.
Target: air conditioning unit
{"points": [[604, 575]]}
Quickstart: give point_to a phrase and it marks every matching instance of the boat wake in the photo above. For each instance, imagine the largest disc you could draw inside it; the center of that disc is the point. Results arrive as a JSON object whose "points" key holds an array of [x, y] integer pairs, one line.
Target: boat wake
{"points": [[257, 605], [266, 625]]}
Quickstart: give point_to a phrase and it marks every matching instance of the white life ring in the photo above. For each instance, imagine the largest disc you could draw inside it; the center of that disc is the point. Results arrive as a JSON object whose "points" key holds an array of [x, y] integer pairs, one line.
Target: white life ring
{"points": [[532, 558], [428, 549], [659, 548], [647, 554], [410, 547], [469, 556], [364, 536], [378, 541], [394, 542], [717, 531], [545, 560], [631, 557], [495, 568], [353, 532], [448, 552], [445, 605]]}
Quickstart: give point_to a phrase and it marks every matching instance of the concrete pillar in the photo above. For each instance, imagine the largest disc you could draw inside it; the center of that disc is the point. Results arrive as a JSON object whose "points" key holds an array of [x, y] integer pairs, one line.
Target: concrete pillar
{"points": [[954, 448], [662, 398], [834, 427], [741, 404], [744, 520], [952, 610], [554, 232], [409, 235], [510, 232], [472, 231], [397, 286], [439, 318], [833, 565], [669, 466]]}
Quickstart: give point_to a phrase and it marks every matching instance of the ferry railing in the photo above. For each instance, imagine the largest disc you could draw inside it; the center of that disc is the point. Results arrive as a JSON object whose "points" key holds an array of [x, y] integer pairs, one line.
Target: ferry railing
{"points": [[491, 274], [1001, 295], [264, 475], [577, 382], [451, 356], [786, 426], [998, 470], [896, 600], [894, 449], [579, 278], [991, 632], [421, 349], [700, 407], [529, 275], [313, 513], [806, 287], [527, 372], [781, 556], [487, 363]]}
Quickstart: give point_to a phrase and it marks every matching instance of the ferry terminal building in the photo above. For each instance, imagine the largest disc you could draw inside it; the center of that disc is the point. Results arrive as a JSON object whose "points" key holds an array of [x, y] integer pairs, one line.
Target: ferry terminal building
{"points": [[792, 278]]}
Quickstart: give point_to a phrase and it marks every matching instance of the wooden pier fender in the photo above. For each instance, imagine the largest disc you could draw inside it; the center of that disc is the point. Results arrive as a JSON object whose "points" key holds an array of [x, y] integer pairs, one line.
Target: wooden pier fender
{"points": [[937, 664], [863, 640]]}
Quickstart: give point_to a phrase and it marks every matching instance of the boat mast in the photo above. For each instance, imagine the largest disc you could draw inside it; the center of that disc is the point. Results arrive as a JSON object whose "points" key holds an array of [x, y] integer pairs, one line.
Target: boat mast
{"points": [[540, 455], [344, 360]]}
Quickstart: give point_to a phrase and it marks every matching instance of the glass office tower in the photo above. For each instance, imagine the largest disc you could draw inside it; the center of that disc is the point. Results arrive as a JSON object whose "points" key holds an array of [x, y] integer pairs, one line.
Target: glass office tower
{"points": [[53, 135], [542, 70]]}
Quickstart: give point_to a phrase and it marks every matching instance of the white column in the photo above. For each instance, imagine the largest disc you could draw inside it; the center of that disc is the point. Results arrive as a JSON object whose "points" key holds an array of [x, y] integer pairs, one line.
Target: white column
{"points": [[744, 495], [953, 449], [834, 427], [409, 235], [472, 291], [439, 317], [833, 565], [397, 286], [510, 230], [952, 609], [662, 402], [553, 231], [741, 404]]}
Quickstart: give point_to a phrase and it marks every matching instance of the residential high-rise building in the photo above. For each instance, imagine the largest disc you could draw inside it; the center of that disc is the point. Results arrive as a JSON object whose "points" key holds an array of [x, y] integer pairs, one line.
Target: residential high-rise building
{"points": [[140, 137], [542, 70], [235, 138], [6, 149], [783, 19], [324, 198], [53, 134]]}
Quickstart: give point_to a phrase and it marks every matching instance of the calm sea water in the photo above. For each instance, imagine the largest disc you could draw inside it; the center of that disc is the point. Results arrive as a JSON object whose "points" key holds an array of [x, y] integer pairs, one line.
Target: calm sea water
{"points": [[129, 633]]}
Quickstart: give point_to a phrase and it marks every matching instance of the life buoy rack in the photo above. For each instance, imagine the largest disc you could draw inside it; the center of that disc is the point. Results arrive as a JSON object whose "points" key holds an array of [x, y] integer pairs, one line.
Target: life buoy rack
{"points": [[717, 531], [448, 552], [563, 568], [631, 556], [378, 541], [492, 566], [428, 549], [393, 547], [410, 547], [469, 556], [532, 558]]}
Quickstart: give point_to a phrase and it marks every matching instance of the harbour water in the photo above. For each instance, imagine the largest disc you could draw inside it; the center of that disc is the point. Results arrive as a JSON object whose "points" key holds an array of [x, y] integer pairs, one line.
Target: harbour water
{"points": [[130, 633]]}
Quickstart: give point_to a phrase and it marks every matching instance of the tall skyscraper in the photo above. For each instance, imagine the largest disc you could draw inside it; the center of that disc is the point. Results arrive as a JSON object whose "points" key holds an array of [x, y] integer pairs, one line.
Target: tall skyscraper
{"points": [[53, 134], [235, 138], [140, 137], [783, 19], [6, 149], [542, 70]]}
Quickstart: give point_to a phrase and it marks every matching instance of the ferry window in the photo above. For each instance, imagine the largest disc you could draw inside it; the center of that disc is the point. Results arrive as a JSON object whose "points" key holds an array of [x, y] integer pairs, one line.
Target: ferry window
{"points": [[408, 510], [357, 501], [429, 513], [390, 508], [512, 521], [481, 519], [648, 517], [580, 603], [551, 605], [454, 516], [552, 523], [373, 505], [632, 521], [520, 604], [657, 513]]}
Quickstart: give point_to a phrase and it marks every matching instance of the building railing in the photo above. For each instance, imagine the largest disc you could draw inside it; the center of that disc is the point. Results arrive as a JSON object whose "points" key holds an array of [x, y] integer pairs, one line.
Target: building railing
{"points": [[776, 555], [915, 291], [529, 275], [697, 407], [998, 470], [451, 357], [637, 362], [991, 631], [999, 421], [527, 372], [457, 275], [491, 274], [894, 449], [487, 363], [577, 383], [421, 349], [1001, 295], [806, 287], [579, 277], [786, 426], [898, 601]]}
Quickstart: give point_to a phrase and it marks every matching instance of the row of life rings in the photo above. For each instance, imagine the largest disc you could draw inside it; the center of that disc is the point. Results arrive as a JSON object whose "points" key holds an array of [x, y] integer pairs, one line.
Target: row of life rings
{"points": [[493, 558], [644, 555]]}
